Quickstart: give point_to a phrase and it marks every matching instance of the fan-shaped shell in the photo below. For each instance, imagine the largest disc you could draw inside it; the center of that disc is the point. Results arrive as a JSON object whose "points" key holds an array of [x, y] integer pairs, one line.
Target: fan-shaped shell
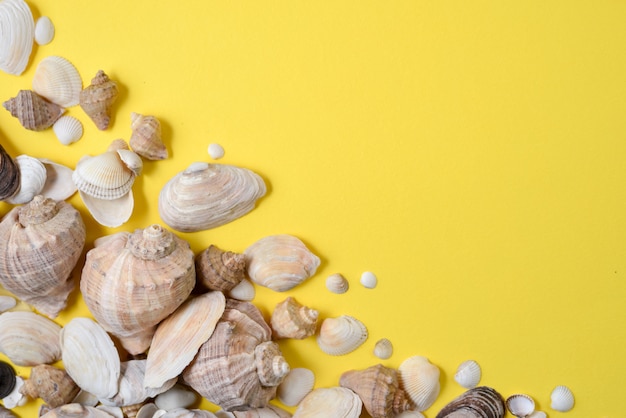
{"points": [[561, 399], [280, 262], [336, 402], [32, 179], [479, 402], [291, 319], [44, 30], [341, 335], [206, 196], [383, 349], [51, 384], [47, 237], [420, 380], [219, 270], [131, 282], [520, 405], [58, 81], [18, 31], [97, 99], [33, 111], [29, 339], [298, 383], [468, 374], [68, 129], [146, 138], [9, 175], [336, 283]]}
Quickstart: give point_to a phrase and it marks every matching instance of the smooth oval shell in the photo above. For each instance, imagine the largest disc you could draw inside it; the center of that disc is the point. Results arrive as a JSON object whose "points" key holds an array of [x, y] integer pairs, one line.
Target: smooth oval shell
{"points": [[18, 32], [33, 111], [97, 99], [29, 339], [479, 402], [206, 196], [420, 380], [219, 270], [561, 399], [32, 179], [468, 374], [146, 138], [291, 319], [216, 151], [336, 283], [58, 81], [51, 384], [59, 184], [68, 129], [336, 402], [341, 335], [383, 349], [368, 280], [44, 30], [298, 383], [520, 405]]}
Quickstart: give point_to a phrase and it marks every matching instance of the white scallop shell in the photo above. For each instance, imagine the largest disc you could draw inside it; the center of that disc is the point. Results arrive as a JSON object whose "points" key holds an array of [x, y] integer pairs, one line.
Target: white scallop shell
{"points": [[59, 184], [298, 383], [18, 33], [58, 81], [336, 402], [383, 349], [538, 414], [561, 399], [243, 291], [32, 179], [68, 129], [468, 374], [104, 176], [29, 339], [420, 380], [341, 335], [336, 283], [44, 30], [520, 405], [216, 151], [369, 280]]}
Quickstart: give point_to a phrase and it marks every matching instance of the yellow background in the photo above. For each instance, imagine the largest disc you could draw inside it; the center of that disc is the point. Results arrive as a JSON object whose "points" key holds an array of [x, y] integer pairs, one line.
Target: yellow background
{"points": [[471, 154]]}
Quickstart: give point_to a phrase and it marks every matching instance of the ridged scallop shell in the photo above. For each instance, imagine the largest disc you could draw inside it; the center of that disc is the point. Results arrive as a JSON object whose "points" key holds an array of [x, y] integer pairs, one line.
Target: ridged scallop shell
{"points": [[58, 81], [206, 196], [270, 411], [383, 349], [68, 129], [341, 335], [97, 99], [9, 175], [520, 405], [336, 402], [243, 291], [40, 244], [44, 30], [479, 402], [18, 32], [219, 270], [32, 179], [280, 262], [33, 111], [336, 283], [51, 384], [420, 380], [561, 399], [146, 138], [468, 374], [76, 410], [131, 282], [298, 383], [291, 319], [29, 339]]}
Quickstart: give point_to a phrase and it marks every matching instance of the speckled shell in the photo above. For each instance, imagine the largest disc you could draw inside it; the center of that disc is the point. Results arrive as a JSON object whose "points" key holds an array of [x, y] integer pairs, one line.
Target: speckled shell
{"points": [[420, 380], [336, 402], [58, 81], [240, 346], [206, 196], [47, 237], [479, 402], [33, 111], [32, 179], [9, 175], [18, 32], [291, 319], [29, 339], [146, 137], [97, 99], [297, 384], [468, 374], [341, 335], [219, 270], [131, 282], [51, 384]]}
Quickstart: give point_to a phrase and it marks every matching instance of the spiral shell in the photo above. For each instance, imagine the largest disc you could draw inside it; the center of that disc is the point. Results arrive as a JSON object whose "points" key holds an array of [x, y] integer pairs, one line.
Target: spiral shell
{"points": [[479, 402], [18, 31], [336, 402], [97, 99], [33, 111], [341, 335], [290, 319], [58, 81], [146, 138], [51, 384], [29, 339], [44, 30], [219, 270], [420, 380]]}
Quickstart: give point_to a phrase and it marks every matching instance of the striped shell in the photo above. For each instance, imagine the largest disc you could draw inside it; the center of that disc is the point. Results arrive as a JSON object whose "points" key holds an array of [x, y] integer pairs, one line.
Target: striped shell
{"points": [[97, 99], [29, 339], [520, 405], [18, 32], [468, 374], [383, 349], [420, 380], [33, 111], [341, 335], [9, 175], [561, 399], [336, 283], [146, 137], [219, 270], [336, 402], [291, 319], [58, 81], [68, 129], [296, 385]]}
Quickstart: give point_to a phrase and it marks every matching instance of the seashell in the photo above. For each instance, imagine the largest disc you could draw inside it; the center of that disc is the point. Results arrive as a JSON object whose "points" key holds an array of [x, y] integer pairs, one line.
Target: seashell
{"points": [[58, 81], [86, 398], [53, 234], [131, 282], [29, 339], [187, 413], [6, 303], [369, 280], [59, 184], [520, 405], [383, 349], [379, 390], [243, 291], [32, 179], [240, 346], [44, 30], [146, 137], [219, 270], [7, 379], [15, 398], [561, 399], [18, 31], [291, 319], [216, 151], [90, 358], [270, 411], [479, 402], [336, 402], [538, 414], [341, 335], [187, 329], [336, 283], [298, 383], [51, 384], [468, 374], [68, 129], [206, 196], [420, 380], [178, 396], [114, 411], [410, 414], [147, 411], [97, 99], [76, 410], [131, 411], [9, 174], [33, 111], [280, 262], [6, 413]]}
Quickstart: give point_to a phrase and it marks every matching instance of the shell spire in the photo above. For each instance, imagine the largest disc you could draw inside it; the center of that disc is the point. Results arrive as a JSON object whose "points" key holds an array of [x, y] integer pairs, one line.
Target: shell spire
{"points": [[97, 99]]}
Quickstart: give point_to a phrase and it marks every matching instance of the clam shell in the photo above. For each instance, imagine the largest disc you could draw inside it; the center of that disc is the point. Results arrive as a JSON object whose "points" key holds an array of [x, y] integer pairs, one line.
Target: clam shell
{"points": [[97, 99], [6, 303], [298, 383], [290, 319], [76, 410], [18, 32], [420, 380], [341, 335], [561, 399], [243, 291], [336, 283], [368, 280], [146, 137], [383, 349], [280, 262], [269, 411], [520, 405], [479, 402], [9, 175], [219, 270], [32, 179], [178, 396], [336, 402], [468, 374], [44, 30], [59, 184], [33, 111], [206, 196], [29, 339], [68, 129], [58, 81], [51, 384]]}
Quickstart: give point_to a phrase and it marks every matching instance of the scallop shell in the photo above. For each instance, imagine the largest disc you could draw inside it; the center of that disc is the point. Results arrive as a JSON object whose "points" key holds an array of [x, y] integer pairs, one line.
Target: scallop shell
{"points": [[32, 179], [420, 380], [131, 282], [341, 335], [9, 175], [219, 270], [336, 283], [298, 383], [468, 374], [44, 30], [33, 111], [58, 81], [51, 384], [561, 399], [269, 411], [29, 339], [68, 129], [336, 402], [383, 349], [97, 99], [243, 291], [280, 262], [178, 396], [76, 410], [368, 280], [18, 32], [146, 138], [290, 319], [520, 405], [206, 196], [47, 237], [479, 402], [59, 184]]}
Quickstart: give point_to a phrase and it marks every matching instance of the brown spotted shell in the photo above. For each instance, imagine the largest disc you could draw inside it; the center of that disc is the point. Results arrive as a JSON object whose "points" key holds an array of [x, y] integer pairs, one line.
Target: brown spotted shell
{"points": [[97, 99], [219, 270], [51, 384], [33, 111]]}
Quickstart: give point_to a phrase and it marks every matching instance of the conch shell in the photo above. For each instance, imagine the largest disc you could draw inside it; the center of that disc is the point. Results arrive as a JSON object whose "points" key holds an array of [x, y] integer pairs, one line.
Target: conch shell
{"points": [[33, 111], [146, 137], [97, 99], [219, 270], [9, 175], [47, 237], [51, 384], [291, 319], [131, 282]]}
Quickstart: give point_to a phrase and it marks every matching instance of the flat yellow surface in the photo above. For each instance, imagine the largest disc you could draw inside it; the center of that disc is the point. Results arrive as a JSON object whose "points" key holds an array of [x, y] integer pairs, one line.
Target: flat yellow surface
{"points": [[471, 154]]}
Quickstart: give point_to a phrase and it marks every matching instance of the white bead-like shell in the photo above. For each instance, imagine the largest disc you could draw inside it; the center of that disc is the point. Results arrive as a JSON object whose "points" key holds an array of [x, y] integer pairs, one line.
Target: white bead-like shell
{"points": [[68, 129], [336, 283], [296, 385], [243, 291], [44, 30], [57, 80], [29, 339], [32, 179], [18, 33], [216, 151], [341, 335], [383, 349], [336, 402], [369, 280], [520, 405], [561, 399], [420, 380], [468, 374]]}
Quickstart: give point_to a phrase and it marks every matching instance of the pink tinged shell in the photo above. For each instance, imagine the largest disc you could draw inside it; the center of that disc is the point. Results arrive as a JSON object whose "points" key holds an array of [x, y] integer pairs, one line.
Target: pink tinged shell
{"points": [[146, 139], [420, 380], [97, 99], [33, 111], [341, 335], [18, 32], [58, 81], [44, 30], [561, 399], [291, 319], [336, 402], [298, 383], [29, 339], [186, 413], [68, 129]]}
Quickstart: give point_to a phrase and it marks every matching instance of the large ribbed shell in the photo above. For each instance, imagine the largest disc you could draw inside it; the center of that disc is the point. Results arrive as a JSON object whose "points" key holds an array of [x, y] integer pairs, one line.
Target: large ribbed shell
{"points": [[131, 282], [104, 176], [238, 367], [219, 270], [336, 402], [206, 196], [341, 335], [29, 339], [57, 80], [18, 33], [33, 111], [40, 243], [480, 402], [420, 380], [9, 175]]}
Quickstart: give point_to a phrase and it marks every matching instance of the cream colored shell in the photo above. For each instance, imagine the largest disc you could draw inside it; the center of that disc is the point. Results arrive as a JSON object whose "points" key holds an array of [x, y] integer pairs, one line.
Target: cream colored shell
{"points": [[468, 374], [420, 380], [58, 81], [29, 339], [44, 30], [341, 335], [297, 384], [32, 179], [383, 349], [291, 319], [336, 402], [18, 32]]}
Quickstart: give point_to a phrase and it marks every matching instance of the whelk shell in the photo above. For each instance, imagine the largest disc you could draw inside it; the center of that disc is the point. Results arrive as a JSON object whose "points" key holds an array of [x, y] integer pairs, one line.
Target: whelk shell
{"points": [[97, 99], [479, 402], [420, 380], [280, 262], [32, 179], [341, 335], [206, 196], [9, 175], [561, 399], [68, 129], [146, 138], [33, 111], [383, 349], [298, 383], [29, 339], [520, 405], [58, 81], [291, 319], [468, 374], [336, 402], [51, 384], [18, 31], [336, 283], [44, 30], [219, 270]]}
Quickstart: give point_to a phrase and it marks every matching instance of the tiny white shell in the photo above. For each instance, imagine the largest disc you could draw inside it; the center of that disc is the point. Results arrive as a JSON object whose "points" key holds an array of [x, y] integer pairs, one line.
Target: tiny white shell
{"points": [[216, 151], [538, 414], [243, 291], [562, 399], [336, 283], [58, 81], [296, 385], [369, 280], [468, 374], [520, 405], [32, 179], [341, 335], [44, 30], [383, 349], [68, 129]]}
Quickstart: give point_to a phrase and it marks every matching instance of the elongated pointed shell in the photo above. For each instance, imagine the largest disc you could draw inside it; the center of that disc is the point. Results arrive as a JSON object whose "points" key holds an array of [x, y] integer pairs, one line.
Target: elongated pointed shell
{"points": [[296, 385], [146, 137], [58, 81], [420, 380], [219, 270], [341, 335], [206, 196], [291, 319], [479, 402], [131, 282], [33, 111], [9, 175], [51, 384], [18, 32], [40, 243], [336, 402], [29, 339], [468, 374], [97, 99]]}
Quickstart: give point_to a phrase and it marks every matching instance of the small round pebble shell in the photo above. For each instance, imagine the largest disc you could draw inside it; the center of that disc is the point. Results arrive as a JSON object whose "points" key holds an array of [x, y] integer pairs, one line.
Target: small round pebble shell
{"points": [[44, 30], [216, 151], [383, 349], [369, 280]]}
